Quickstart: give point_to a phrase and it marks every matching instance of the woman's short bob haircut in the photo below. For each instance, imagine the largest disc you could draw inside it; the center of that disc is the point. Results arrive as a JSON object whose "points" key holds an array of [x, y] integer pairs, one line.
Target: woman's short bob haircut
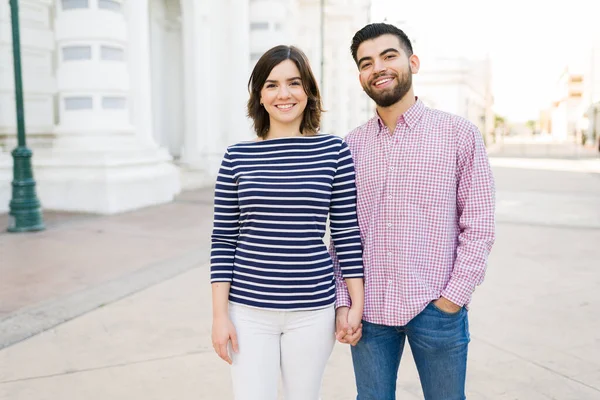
{"points": [[311, 119]]}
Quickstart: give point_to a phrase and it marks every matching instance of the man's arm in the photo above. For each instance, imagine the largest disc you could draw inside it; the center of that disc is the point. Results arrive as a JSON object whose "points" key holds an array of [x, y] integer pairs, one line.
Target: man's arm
{"points": [[475, 199]]}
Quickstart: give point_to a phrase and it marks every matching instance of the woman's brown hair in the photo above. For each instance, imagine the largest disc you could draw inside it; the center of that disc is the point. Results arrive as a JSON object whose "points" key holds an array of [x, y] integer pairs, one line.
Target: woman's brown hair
{"points": [[311, 118]]}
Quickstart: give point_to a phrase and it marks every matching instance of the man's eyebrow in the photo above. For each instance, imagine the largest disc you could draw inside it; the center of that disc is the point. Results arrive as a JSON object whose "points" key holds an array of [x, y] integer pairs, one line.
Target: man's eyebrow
{"points": [[364, 59], [391, 49]]}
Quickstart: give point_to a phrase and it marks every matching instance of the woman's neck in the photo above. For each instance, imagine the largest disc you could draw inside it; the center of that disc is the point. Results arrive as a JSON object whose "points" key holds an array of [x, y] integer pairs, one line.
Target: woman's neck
{"points": [[279, 130]]}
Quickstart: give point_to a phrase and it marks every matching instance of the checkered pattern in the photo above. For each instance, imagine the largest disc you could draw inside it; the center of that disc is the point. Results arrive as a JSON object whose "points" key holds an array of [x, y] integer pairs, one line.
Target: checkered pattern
{"points": [[425, 211]]}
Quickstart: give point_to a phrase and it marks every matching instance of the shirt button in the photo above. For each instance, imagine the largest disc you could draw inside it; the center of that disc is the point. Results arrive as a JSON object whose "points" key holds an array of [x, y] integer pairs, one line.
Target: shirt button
{"points": [[390, 254], [389, 196], [390, 281], [391, 168], [389, 224]]}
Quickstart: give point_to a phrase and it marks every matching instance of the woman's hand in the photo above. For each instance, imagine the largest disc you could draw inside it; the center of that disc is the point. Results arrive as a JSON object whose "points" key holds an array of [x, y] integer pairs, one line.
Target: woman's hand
{"points": [[222, 332]]}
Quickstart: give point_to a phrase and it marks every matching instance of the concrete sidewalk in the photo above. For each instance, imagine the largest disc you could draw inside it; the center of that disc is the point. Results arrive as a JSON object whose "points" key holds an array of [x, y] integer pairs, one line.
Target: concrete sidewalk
{"points": [[83, 261], [123, 303]]}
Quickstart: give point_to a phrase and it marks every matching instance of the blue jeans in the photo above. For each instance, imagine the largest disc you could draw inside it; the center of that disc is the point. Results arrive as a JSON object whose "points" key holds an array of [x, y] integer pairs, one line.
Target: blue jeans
{"points": [[438, 341]]}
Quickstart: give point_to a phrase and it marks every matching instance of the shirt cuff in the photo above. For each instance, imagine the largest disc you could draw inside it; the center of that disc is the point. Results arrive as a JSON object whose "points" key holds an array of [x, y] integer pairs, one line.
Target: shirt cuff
{"points": [[459, 291], [342, 297]]}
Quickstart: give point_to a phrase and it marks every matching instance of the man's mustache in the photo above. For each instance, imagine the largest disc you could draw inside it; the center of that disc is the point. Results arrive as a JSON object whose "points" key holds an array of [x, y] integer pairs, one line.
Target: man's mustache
{"points": [[382, 75]]}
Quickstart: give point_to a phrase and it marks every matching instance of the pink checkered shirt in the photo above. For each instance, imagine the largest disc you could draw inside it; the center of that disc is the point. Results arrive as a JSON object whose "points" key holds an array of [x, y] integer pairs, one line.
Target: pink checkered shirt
{"points": [[425, 211]]}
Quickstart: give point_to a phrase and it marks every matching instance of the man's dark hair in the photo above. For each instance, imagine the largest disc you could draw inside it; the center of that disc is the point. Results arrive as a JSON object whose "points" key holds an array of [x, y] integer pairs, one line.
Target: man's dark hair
{"points": [[311, 119], [375, 30]]}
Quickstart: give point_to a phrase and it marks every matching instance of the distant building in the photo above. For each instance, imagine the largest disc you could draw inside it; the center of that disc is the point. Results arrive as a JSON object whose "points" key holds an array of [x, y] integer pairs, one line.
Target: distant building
{"points": [[456, 85]]}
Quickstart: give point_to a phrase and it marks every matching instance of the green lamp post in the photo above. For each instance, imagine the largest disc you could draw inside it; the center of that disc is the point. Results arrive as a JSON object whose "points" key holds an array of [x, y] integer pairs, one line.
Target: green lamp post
{"points": [[25, 213]]}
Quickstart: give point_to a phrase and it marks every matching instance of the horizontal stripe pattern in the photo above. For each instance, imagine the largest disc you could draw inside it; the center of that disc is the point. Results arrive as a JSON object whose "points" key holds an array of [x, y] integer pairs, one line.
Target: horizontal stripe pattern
{"points": [[272, 200]]}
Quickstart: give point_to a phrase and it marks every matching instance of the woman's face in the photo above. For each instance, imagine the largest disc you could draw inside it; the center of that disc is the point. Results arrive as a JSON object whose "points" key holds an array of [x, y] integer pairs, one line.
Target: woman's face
{"points": [[283, 94]]}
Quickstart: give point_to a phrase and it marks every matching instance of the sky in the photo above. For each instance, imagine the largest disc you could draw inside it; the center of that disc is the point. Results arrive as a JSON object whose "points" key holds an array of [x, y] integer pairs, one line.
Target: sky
{"points": [[529, 42]]}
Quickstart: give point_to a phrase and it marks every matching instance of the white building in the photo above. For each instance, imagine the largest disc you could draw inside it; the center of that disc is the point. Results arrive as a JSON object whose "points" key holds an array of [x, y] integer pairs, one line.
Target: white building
{"points": [[458, 86], [116, 91], [346, 104], [298, 22], [272, 22], [567, 103], [121, 96], [591, 95]]}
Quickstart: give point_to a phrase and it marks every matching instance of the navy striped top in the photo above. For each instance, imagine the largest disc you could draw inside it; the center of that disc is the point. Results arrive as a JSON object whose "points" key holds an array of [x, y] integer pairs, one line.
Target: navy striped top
{"points": [[272, 199]]}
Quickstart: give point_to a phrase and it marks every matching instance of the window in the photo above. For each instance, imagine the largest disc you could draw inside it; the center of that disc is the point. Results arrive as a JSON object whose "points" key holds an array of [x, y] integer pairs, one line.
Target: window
{"points": [[73, 53], [259, 26], [109, 5], [74, 4], [109, 53], [78, 103], [114, 103]]}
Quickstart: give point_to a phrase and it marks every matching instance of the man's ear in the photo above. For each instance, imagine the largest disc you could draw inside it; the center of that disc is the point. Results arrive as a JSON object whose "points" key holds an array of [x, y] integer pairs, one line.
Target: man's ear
{"points": [[415, 63]]}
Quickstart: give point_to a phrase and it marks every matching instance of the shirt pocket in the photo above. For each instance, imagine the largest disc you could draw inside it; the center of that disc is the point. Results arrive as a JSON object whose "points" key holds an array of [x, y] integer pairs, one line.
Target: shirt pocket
{"points": [[430, 180]]}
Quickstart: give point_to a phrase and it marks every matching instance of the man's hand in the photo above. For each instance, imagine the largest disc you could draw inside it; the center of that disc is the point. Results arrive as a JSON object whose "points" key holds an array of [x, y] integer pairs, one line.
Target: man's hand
{"points": [[344, 332], [446, 305]]}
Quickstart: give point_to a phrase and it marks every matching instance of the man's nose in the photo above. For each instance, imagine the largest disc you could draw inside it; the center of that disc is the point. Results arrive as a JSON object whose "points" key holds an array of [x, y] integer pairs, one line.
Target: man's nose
{"points": [[379, 66]]}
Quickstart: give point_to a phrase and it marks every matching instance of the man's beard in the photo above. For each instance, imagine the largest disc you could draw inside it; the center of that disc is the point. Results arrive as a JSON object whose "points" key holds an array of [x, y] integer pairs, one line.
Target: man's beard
{"points": [[392, 95]]}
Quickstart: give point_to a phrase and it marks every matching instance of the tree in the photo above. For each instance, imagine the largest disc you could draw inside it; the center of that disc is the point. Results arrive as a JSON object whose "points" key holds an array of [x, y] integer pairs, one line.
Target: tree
{"points": [[499, 121]]}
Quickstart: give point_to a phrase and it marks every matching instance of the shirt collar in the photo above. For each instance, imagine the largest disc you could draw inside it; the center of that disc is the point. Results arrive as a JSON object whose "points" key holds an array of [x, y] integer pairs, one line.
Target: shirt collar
{"points": [[410, 117]]}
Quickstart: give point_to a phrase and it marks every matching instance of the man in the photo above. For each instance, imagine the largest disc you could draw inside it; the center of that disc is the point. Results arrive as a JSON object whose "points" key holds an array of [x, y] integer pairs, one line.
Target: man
{"points": [[426, 214]]}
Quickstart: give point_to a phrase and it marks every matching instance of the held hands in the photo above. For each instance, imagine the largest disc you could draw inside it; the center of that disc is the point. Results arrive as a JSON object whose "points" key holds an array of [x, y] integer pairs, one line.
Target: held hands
{"points": [[222, 332], [348, 326]]}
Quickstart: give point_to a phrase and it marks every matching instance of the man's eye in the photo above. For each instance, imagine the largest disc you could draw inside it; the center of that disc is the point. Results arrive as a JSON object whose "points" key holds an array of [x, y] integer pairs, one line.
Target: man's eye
{"points": [[365, 65]]}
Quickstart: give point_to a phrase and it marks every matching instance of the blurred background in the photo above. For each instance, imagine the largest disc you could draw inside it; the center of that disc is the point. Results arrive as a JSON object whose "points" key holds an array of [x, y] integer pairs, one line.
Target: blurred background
{"points": [[129, 106]]}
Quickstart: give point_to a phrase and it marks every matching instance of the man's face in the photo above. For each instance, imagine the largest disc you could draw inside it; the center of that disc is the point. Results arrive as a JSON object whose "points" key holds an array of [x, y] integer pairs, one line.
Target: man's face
{"points": [[385, 71]]}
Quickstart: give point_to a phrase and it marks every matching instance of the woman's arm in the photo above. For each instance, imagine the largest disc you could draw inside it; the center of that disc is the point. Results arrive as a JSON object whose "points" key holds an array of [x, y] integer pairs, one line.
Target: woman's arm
{"points": [[222, 329], [224, 242]]}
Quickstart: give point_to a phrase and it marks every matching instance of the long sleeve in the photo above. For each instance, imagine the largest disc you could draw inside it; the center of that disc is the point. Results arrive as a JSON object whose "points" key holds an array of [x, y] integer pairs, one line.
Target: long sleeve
{"points": [[346, 250], [342, 296], [226, 228], [475, 211]]}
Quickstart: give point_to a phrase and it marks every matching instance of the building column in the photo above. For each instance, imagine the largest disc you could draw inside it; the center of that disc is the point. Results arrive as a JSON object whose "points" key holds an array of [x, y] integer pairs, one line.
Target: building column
{"points": [[197, 65], [215, 86], [239, 127], [98, 163], [139, 61]]}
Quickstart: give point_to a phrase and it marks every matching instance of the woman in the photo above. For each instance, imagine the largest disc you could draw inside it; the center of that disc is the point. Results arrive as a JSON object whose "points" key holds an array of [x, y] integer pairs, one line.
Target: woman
{"points": [[272, 277]]}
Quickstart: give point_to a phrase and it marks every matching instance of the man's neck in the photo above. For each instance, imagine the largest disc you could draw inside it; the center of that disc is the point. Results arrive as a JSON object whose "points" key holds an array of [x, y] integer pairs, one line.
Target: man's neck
{"points": [[390, 114]]}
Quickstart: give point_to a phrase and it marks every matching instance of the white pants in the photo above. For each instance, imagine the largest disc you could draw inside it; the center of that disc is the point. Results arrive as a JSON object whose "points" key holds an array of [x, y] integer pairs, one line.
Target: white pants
{"points": [[296, 344]]}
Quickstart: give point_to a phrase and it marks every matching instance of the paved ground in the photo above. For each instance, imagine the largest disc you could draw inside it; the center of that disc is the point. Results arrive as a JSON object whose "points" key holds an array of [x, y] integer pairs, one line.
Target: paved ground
{"points": [[119, 307]]}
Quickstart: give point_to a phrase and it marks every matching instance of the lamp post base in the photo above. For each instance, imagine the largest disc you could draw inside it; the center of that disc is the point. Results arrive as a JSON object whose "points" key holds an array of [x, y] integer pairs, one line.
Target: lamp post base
{"points": [[25, 211]]}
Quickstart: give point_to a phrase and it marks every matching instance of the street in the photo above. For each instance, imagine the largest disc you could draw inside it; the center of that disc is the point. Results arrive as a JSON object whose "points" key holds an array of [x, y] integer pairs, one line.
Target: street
{"points": [[123, 309]]}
